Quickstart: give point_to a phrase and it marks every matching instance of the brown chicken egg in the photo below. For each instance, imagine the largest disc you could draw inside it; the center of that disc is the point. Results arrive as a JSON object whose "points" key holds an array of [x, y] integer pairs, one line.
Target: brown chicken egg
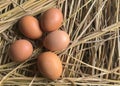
{"points": [[49, 65], [20, 50], [29, 26], [51, 20], [56, 40]]}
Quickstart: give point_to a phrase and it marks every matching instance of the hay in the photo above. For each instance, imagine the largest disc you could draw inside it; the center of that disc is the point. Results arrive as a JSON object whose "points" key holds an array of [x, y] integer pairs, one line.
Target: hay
{"points": [[93, 56]]}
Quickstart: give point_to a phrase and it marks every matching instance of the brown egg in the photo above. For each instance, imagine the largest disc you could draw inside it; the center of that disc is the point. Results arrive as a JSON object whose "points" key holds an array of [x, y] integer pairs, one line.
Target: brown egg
{"points": [[29, 26], [56, 40], [20, 50], [51, 20], [49, 65]]}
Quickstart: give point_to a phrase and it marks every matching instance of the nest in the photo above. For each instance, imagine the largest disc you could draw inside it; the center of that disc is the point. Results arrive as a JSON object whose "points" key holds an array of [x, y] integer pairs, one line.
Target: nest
{"points": [[93, 56]]}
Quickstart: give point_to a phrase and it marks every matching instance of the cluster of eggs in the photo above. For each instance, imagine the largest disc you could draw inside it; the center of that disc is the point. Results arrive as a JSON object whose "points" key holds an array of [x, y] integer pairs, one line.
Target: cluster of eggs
{"points": [[49, 64]]}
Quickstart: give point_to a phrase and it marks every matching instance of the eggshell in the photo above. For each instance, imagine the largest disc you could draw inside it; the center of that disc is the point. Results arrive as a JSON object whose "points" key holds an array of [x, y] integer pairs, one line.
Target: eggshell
{"points": [[51, 20], [29, 26], [20, 50], [56, 40], [49, 65]]}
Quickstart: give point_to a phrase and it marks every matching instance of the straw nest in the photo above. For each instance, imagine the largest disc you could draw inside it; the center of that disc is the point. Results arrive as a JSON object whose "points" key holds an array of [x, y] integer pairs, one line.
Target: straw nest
{"points": [[93, 56]]}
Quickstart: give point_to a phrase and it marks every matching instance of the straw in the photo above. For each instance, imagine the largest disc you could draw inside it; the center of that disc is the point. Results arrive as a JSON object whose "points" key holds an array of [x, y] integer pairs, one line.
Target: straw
{"points": [[92, 57]]}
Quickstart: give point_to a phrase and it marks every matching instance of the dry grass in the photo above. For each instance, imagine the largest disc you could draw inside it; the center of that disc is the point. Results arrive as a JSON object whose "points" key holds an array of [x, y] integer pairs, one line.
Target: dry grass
{"points": [[93, 56]]}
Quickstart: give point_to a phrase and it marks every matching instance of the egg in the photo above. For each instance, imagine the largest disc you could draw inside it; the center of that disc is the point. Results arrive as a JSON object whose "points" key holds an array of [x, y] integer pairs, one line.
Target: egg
{"points": [[20, 50], [29, 27], [51, 20], [56, 40], [49, 65]]}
